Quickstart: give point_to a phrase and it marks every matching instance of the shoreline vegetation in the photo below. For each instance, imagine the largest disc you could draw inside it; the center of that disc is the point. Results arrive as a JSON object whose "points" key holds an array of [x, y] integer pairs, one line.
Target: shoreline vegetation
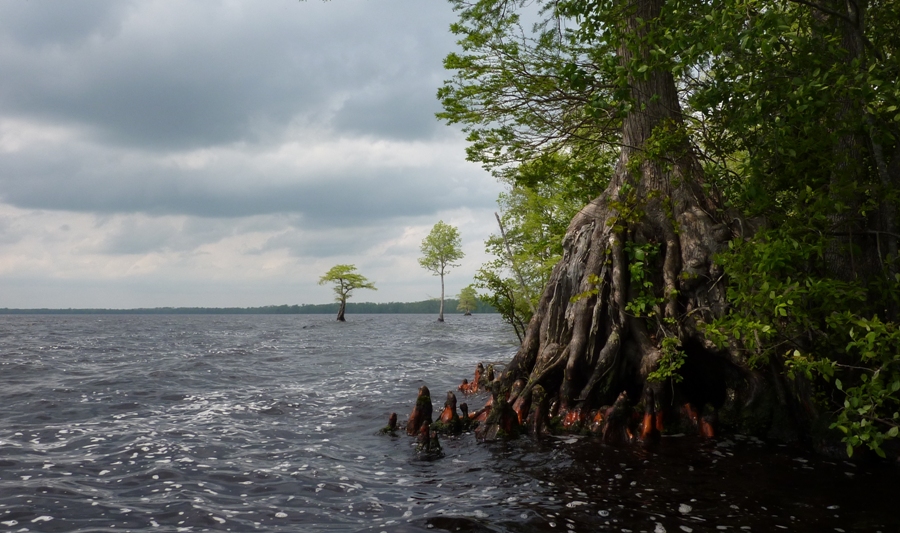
{"points": [[699, 231], [423, 307]]}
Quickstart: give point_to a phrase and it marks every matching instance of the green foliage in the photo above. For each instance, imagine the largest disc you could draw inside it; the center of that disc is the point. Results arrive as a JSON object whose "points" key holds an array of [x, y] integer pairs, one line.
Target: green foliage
{"points": [[640, 263], [793, 110], [788, 307], [504, 295], [780, 291], [594, 281], [440, 249], [346, 279], [866, 372], [534, 224], [779, 99], [523, 93], [671, 360], [543, 197], [468, 300]]}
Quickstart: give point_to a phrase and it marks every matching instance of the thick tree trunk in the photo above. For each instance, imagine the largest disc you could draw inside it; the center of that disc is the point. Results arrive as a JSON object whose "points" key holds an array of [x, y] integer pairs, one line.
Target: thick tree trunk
{"points": [[853, 252], [585, 344], [340, 315]]}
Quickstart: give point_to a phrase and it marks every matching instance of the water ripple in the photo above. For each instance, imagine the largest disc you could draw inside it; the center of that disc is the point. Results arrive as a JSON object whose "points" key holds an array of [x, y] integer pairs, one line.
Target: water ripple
{"points": [[268, 423]]}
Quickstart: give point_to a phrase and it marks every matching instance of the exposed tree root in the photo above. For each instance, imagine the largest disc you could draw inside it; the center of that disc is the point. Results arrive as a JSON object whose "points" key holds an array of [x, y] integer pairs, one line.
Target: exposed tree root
{"points": [[617, 343], [421, 413]]}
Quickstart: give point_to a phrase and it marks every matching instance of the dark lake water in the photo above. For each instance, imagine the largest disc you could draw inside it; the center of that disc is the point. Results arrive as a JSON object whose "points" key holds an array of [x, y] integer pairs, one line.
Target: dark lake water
{"points": [[269, 423]]}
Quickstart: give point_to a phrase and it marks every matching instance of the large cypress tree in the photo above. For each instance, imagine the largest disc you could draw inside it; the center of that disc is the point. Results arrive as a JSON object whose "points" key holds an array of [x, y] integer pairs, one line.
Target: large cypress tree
{"points": [[716, 111]]}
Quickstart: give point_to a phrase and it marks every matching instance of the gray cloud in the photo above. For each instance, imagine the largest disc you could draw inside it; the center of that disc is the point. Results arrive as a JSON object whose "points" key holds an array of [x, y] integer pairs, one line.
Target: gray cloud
{"points": [[69, 180], [42, 24], [203, 152], [400, 113], [327, 243], [140, 81], [135, 235], [177, 75]]}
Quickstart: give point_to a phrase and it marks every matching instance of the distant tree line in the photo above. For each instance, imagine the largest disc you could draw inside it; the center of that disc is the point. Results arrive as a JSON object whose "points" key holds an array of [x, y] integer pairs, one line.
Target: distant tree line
{"points": [[423, 307]]}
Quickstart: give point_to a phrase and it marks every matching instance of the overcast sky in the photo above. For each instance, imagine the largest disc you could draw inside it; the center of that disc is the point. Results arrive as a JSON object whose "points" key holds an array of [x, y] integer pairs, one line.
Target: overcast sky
{"points": [[227, 153]]}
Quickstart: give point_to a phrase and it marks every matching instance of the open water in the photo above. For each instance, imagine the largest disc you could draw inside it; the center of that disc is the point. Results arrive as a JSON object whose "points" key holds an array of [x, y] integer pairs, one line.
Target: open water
{"points": [[270, 423]]}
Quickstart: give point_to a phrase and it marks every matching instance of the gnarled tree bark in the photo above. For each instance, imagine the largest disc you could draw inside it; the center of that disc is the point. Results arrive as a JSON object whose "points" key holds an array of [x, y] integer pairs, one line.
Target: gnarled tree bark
{"points": [[583, 344]]}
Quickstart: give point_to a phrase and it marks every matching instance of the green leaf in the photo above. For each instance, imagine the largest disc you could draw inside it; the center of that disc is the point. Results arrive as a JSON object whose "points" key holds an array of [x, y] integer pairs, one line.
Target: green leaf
{"points": [[893, 432]]}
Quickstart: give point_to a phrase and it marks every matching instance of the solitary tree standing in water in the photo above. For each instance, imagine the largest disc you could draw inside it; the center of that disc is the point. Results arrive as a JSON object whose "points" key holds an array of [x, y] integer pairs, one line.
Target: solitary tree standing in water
{"points": [[439, 251], [468, 300], [345, 279]]}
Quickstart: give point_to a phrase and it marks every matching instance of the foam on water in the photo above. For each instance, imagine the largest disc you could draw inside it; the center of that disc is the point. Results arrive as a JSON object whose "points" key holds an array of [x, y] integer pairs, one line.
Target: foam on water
{"points": [[268, 423]]}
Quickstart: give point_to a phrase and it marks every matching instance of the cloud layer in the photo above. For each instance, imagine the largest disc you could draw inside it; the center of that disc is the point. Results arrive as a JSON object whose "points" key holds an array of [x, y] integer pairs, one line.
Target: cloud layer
{"points": [[225, 153]]}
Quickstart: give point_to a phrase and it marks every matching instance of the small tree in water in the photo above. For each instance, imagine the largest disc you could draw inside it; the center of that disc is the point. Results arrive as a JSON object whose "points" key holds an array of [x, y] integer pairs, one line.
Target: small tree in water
{"points": [[467, 300], [346, 280], [439, 251]]}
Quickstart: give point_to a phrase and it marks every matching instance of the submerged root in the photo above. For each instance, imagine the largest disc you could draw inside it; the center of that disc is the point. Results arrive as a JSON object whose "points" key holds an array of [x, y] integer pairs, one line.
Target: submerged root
{"points": [[480, 416], [421, 413], [521, 401], [501, 421], [523, 409], [427, 444], [449, 422], [538, 420], [477, 384], [616, 425], [701, 421], [391, 427], [488, 379], [651, 419]]}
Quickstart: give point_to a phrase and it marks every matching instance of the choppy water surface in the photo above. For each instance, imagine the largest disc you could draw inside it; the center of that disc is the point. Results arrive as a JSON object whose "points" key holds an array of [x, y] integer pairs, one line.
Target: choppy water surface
{"points": [[268, 423]]}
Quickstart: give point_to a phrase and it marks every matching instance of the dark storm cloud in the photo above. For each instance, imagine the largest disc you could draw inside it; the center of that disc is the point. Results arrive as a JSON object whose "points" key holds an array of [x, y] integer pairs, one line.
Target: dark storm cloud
{"points": [[178, 75], [135, 83]]}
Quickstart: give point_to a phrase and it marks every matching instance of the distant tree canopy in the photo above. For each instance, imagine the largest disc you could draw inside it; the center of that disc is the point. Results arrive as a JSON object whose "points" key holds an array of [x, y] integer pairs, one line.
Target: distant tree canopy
{"points": [[346, 280], [690, 178], [423, 307], [440, 251], [468, 300]]}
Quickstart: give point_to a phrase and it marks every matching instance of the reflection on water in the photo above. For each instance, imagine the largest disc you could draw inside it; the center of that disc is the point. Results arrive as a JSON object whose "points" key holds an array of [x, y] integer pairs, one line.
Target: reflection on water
{"points": [[269, 423]]}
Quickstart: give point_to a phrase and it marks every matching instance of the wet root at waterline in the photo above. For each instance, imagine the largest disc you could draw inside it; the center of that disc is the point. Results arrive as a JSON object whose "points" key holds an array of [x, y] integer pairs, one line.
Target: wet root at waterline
{"points": [[522, 410]]}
